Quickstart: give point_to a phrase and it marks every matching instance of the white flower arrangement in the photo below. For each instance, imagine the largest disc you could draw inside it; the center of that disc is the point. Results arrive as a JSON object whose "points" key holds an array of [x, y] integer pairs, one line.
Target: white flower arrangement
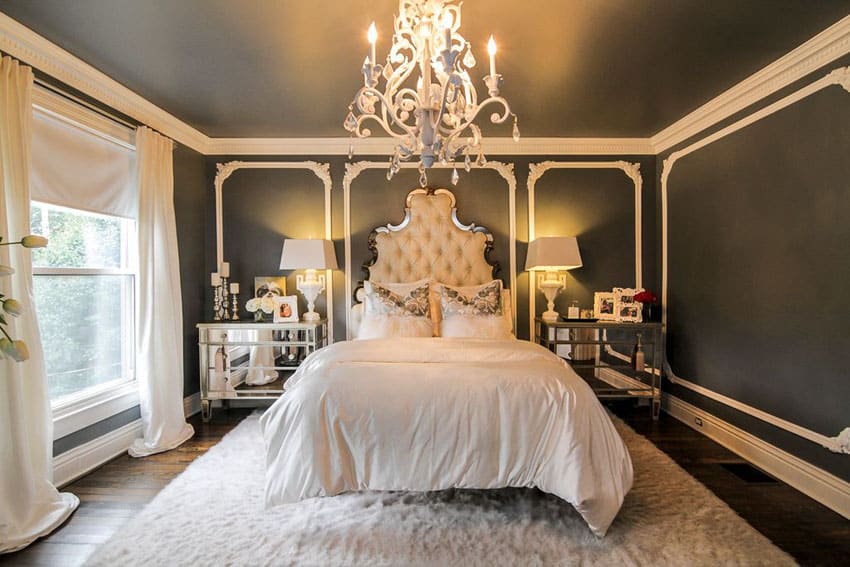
{"points": [[260, 305], [12, 348]]}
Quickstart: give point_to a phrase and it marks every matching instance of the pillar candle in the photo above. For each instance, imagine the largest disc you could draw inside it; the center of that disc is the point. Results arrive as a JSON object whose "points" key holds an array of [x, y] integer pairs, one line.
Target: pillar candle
{"points": [[225, 270], [234, 288], [215, 279]]}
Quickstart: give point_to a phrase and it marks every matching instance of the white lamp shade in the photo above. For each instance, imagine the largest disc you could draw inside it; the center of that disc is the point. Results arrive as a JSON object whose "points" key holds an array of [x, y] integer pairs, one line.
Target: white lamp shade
{"points": [[553, 253], [305, 254]]}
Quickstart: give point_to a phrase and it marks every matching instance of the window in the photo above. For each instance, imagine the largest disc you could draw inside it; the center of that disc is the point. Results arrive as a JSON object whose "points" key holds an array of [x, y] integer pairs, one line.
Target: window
{"points": [[83, 285], [84, 199]]}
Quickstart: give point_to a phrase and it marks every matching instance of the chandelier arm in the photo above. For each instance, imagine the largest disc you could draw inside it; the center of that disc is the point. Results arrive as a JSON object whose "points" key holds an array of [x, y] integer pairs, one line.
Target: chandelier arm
{"points": [[384, 123]]}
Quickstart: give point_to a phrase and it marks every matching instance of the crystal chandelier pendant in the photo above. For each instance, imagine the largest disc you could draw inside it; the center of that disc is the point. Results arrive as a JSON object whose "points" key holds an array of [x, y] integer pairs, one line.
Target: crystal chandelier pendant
{"points": [[455, 176], [424, 95]]}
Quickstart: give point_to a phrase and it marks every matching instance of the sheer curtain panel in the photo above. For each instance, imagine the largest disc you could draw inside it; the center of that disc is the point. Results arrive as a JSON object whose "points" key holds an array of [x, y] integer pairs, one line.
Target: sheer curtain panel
{"points": [[159, 356], [30, 506]]}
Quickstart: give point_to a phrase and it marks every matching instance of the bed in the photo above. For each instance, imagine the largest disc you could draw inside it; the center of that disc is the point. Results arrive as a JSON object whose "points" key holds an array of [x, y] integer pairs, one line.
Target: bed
{"points": [[401, 409]]}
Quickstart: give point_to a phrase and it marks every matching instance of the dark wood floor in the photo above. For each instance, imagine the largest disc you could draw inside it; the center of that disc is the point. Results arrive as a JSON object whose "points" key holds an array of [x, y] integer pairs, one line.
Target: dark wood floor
{"points": [[115, 492]]}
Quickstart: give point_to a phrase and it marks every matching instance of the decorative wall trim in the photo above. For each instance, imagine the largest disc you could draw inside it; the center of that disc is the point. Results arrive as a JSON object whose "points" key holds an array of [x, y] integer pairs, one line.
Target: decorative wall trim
{"points": [[385, 146], [829, 490], [81, 460], [321, 170], [353, 170], [27, 46], [837, 444], [841, 77], [827, 46], [536, 171]]}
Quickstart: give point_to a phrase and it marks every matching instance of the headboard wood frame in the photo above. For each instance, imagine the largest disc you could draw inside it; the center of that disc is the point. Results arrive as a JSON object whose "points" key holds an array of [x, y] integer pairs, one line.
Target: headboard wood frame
{"points": [[390, 231]]}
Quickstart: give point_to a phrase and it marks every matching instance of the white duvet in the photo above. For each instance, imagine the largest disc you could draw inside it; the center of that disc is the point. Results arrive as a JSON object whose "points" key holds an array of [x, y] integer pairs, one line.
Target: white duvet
{"points": [[431, 414]]}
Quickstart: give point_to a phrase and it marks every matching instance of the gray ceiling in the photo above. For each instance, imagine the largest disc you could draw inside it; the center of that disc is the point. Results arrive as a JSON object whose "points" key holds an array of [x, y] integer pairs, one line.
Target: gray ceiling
{"points": [[574, 68]]}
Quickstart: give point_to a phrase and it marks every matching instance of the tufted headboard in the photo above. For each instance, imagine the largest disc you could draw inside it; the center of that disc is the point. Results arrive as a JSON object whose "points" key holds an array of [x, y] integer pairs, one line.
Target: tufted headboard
{"points": [[431, 243]]}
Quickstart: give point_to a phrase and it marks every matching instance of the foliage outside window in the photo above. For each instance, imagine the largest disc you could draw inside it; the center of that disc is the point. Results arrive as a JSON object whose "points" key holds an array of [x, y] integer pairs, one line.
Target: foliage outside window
{"points": [[83, 287]]}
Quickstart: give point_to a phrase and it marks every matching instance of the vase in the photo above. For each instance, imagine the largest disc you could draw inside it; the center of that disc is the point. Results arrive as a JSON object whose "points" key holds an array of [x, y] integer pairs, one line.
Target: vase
{"points": [[258, 316], [648, 312]]}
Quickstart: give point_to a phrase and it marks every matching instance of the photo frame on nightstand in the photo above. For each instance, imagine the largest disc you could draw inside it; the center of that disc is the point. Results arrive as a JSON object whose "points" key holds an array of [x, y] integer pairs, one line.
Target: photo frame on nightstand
{"points": [[626, 308], [285, 309], [605, 305]]}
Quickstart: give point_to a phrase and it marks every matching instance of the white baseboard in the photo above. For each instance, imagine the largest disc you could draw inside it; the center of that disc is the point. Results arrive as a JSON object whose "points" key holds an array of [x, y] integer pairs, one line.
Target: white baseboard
{"points": [[829, 490], [192, 404], [81, 460]]}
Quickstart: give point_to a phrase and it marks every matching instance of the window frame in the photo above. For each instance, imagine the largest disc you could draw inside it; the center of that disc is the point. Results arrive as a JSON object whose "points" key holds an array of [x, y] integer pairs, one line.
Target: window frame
{"points": [[92, 405]]}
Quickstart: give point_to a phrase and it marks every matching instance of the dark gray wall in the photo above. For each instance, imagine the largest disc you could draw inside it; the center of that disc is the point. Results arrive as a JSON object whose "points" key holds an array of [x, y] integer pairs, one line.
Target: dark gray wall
{"points": [[261, 207], [758, 267]]}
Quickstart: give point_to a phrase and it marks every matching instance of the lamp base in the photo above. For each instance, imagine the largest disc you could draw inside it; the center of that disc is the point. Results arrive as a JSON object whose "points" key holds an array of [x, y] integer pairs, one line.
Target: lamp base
{"points": [[311, 317], [550, 316]]}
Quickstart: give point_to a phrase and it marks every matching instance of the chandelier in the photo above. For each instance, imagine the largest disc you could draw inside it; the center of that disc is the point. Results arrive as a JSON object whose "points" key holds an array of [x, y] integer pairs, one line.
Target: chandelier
{"points": [[436, 120]]}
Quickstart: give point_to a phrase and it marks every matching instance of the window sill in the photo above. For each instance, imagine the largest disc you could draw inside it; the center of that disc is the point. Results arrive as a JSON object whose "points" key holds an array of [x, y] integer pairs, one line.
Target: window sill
{"points": [[78, 414]]}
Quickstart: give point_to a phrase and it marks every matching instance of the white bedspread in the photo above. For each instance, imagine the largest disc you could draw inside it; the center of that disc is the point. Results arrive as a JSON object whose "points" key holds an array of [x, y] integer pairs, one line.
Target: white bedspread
{"points": [[431, 414]]}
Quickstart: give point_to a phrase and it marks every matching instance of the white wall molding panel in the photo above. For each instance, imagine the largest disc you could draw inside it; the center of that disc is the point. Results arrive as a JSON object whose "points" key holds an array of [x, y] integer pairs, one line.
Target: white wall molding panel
{"points": [[840, 77], [537, 170], [321, 170]]}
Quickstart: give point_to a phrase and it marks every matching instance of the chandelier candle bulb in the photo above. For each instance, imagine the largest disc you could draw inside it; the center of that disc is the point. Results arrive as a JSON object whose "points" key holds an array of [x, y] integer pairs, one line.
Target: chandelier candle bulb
{"points": [[491, 49], [372, 36], [447, 28]]}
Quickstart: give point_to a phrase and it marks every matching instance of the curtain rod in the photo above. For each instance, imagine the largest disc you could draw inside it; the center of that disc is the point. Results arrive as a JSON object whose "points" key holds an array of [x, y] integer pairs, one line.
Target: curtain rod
{"points": [[56, 90]]}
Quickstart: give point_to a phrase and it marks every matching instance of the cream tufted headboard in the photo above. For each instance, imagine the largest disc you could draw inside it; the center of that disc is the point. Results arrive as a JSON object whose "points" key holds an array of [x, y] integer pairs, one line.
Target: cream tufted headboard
{"points": [[431, 243]]}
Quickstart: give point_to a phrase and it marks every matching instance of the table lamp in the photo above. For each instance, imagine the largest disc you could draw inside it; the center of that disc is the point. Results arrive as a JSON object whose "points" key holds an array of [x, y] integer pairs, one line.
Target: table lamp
{"points": [[310, 255], [551, 255]]}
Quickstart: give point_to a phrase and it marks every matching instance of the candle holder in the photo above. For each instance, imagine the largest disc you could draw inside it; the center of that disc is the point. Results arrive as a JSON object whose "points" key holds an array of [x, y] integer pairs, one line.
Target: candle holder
{"points": [[235, 309], [216, 303], [225, 300]]}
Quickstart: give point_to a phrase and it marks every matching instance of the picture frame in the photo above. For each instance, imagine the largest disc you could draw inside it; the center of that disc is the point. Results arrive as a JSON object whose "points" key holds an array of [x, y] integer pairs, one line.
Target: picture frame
{"points": [[285, 308], [605, 305], [265, 284], [627, 309]]}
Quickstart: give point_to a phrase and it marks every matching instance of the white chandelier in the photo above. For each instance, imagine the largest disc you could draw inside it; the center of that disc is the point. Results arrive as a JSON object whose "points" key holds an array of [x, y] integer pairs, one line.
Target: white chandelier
{"points": [[436, 120]]}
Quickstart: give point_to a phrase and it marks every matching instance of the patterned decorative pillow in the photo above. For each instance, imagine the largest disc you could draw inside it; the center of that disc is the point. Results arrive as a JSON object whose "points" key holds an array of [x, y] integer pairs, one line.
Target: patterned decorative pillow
{"points": [[398, 300], [485, 299]]}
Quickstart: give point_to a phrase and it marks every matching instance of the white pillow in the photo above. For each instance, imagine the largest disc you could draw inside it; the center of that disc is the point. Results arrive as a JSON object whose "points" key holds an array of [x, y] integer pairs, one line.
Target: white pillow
{"points": [[475, 311], [396, 310]]}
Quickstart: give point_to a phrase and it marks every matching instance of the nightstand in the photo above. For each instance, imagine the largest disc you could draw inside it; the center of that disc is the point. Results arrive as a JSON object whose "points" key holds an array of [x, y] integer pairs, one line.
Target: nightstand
{"points": [[600, 352], [252, 361]]}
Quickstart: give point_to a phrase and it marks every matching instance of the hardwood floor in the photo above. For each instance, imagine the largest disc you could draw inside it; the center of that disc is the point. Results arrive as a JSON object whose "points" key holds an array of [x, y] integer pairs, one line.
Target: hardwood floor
{"points": [[114, 493]]}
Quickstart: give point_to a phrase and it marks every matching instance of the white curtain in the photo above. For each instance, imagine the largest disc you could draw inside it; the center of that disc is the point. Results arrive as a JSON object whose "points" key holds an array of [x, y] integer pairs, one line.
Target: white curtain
{"points": [[159, 352], [30, 506]]}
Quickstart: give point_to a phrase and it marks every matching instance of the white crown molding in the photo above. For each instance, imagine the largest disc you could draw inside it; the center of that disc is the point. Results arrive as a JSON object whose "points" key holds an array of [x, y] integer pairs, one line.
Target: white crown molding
{"points": [[536, 171], [829, 490], [27, 46], [353, 170], [386, 146], [824, 48]]}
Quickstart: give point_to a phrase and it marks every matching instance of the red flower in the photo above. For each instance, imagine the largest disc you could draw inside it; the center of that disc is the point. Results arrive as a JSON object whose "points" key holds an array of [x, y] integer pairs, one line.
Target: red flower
{"points": [[645, 297]]}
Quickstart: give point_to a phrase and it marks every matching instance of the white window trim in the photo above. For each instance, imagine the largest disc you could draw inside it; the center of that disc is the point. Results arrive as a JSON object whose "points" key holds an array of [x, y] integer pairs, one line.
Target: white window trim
{"points": [[78, 411], [85, 408]]}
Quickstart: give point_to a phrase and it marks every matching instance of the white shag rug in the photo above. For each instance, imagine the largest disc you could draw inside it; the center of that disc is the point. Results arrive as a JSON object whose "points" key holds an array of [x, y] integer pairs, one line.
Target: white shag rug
{"points": [[212, 514]]}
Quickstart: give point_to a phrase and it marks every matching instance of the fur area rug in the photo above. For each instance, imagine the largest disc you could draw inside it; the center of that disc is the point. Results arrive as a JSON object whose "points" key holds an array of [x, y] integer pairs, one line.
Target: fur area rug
{"points": [[213, 514]]}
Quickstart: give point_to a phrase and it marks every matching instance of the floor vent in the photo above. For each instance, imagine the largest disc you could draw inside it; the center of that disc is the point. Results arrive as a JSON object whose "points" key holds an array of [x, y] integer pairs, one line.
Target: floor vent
{"points": [[748, 473]]}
